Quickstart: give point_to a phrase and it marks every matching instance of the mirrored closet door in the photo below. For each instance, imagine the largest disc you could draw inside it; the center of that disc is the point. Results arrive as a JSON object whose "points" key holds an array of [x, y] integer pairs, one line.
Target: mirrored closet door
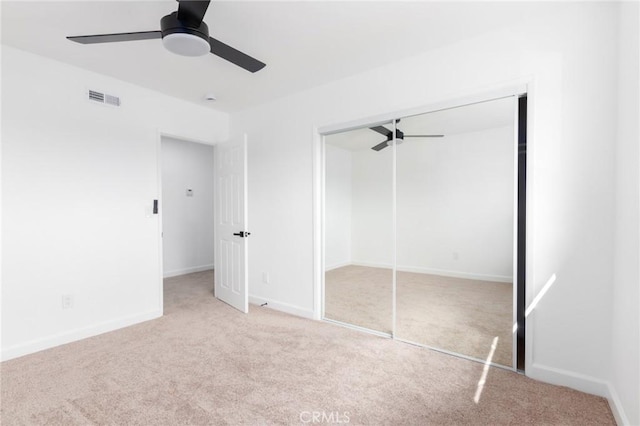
{"points": [[358, 231], [419, 229], [455, 230]]}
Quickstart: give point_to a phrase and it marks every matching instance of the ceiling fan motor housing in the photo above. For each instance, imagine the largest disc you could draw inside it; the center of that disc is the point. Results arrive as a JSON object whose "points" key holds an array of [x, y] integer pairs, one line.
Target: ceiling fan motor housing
{"points": [[182, 38]]}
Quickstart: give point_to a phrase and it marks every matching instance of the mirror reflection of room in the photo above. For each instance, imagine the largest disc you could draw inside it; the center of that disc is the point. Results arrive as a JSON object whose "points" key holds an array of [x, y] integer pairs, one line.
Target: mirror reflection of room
{"points": [[447, 234], [455, 221], [359, 230]]}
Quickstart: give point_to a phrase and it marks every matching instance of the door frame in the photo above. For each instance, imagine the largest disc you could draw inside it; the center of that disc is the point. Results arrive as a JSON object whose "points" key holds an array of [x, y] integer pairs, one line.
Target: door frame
{"points": [[159, 135], [521, 88]]}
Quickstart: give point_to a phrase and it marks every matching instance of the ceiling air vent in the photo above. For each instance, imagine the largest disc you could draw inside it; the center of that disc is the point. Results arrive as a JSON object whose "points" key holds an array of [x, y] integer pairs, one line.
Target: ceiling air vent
{"points": [[112, 100], [96, 96], [104, 98]]}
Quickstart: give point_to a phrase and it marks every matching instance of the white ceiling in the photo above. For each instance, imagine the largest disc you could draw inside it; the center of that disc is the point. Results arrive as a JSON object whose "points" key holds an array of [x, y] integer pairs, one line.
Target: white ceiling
{"points": [[468, 118], [304, 44]]}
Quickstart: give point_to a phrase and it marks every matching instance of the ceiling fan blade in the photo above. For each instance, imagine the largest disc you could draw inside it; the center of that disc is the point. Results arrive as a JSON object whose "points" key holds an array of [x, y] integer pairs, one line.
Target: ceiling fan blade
{"points": [[111, 38], [235, 56], [382, 130], [192, 11], [423, 136], [380, 146]]}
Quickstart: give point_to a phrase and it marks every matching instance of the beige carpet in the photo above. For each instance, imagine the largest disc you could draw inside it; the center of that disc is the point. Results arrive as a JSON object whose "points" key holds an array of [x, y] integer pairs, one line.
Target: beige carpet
{"points": [[455, 314], [205, 363]]}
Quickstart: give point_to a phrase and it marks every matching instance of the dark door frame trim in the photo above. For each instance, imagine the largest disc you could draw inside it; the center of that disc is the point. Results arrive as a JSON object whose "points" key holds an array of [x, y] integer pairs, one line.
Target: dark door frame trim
{"points": [[522, 233]]}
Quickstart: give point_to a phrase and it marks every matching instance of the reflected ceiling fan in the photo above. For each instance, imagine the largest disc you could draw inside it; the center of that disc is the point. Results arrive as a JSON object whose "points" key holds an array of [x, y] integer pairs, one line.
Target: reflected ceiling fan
{"points": [[399, 136], [182, 32]]}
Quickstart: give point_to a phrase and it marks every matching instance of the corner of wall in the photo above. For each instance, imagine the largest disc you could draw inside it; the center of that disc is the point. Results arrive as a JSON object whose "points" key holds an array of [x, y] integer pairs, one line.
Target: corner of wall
{"points": [[616, 406], [560, 377], [624, 376], [582, 383]]}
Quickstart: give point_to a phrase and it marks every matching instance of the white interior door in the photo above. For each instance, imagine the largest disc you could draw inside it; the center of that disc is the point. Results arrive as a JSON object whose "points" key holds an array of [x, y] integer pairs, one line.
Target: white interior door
{"points": [[231, 285]]}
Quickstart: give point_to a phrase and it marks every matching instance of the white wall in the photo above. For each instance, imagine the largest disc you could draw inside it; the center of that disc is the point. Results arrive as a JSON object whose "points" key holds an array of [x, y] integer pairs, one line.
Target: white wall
{"points": [[454, 200], [187, 222], [625, 339], [338, 210], [572, 66], [455, 204], [372, 208], [78, 180]]}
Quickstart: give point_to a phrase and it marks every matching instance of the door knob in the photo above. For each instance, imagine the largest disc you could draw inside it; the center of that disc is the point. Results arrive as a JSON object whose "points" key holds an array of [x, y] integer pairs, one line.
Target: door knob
{"points": [[242, 234]]}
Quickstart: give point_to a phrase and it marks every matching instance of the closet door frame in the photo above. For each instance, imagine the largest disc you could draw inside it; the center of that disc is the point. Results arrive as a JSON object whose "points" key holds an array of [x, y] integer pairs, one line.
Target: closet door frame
{"points": [[522, 334]]}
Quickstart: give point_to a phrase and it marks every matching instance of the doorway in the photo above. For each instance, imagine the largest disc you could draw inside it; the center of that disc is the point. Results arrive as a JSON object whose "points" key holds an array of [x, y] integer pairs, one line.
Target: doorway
{"points": [[421, 218], [186, 209]]}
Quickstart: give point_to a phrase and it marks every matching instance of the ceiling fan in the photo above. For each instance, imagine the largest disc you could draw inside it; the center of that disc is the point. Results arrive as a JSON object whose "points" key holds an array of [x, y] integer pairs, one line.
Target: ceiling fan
{"points": [[182, 32], [399, 136]]}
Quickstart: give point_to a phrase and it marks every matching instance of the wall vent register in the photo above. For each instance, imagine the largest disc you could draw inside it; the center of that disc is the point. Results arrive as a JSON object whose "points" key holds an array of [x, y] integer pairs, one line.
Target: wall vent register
{"points": [[104, 98]]}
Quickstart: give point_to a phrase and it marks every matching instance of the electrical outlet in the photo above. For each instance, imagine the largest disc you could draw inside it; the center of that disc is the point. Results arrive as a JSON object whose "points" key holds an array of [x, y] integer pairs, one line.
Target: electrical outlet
{"points": [[67, 301], [189, 192], [265, 278]]}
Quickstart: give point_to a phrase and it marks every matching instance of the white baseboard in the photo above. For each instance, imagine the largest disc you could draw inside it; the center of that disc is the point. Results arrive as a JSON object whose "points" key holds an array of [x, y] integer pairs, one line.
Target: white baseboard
{"points": [[616, 406], [38, 345], [441, 272], [582, 383], [178, 272], [557, 376], [336, 266], [283, 307]]}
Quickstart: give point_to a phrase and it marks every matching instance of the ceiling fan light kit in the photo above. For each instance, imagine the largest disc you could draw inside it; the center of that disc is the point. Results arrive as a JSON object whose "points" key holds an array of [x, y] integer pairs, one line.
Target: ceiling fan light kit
{"points": [[397, 142], [182, 40]]}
